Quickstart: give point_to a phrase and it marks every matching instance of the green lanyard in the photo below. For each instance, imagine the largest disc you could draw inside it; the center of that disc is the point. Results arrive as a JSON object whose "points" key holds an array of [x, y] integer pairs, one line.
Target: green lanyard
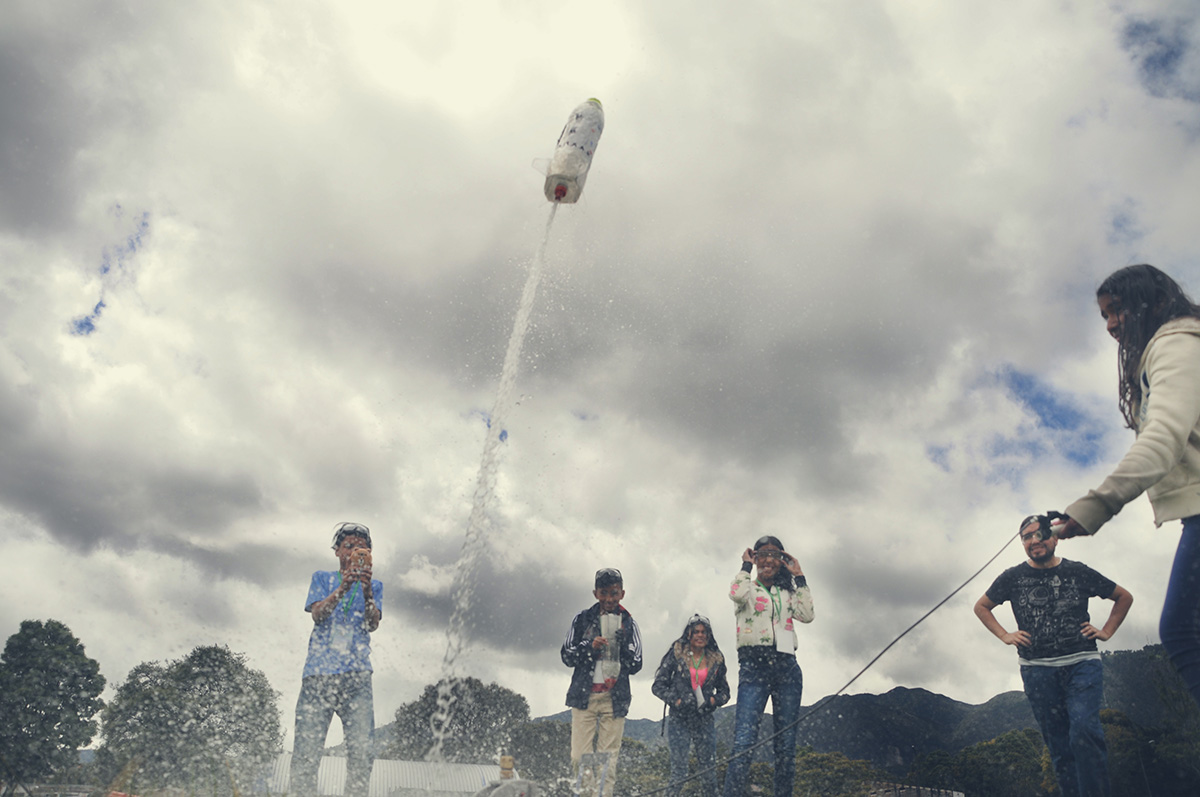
{"points": [[349, 597], [776, 596]]}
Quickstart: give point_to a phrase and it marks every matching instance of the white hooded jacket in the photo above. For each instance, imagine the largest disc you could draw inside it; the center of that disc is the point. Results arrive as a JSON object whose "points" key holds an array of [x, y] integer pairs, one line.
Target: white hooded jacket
{"points": [[1164, 461]]}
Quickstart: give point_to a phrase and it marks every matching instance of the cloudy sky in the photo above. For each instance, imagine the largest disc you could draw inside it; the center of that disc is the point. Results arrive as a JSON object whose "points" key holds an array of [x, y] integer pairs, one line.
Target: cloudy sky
{"points": [[831, 279]]}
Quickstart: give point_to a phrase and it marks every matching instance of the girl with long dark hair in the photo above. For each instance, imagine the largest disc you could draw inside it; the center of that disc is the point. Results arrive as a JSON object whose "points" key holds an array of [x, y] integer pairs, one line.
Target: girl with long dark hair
{"points": [[1157, 329], [766, 608]]}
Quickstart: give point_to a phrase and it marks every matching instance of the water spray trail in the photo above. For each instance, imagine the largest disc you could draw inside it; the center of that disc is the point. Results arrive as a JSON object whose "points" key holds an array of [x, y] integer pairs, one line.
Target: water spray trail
{"points": [[485, 489]]}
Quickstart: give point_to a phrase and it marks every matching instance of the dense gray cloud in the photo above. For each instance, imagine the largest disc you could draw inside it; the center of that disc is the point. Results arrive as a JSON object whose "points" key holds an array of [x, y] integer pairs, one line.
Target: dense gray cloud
{"points": [[830, 279]]}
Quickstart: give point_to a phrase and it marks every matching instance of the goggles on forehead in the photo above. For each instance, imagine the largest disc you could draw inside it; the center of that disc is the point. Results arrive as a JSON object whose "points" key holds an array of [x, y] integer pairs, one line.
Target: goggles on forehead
{"points": [[1043, 530], [344, 530], [608, 576]]}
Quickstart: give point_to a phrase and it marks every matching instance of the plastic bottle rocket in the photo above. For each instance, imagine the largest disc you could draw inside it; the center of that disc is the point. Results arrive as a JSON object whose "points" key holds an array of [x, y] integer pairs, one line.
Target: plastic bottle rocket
{"points": [[573, 155]]}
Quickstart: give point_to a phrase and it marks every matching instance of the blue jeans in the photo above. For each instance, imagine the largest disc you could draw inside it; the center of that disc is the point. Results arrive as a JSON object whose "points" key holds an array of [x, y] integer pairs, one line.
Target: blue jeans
{"points": [[1066, 705], [1179, 626], [693, 730], [348, 695], [763, 673]]}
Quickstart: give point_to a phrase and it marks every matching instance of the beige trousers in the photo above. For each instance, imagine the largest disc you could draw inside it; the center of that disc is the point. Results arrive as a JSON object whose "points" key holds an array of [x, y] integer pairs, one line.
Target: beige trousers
{"points": [[596, 724]]}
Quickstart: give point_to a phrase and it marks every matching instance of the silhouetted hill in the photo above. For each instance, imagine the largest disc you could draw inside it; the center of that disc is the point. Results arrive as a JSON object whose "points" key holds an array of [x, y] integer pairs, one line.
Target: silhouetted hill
{"points": [[1005, 712], [892, 729]]}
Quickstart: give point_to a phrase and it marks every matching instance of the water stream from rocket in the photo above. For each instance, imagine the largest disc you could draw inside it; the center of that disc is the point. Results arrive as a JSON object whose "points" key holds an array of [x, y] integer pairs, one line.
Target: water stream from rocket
{"points": [[479, 520]]}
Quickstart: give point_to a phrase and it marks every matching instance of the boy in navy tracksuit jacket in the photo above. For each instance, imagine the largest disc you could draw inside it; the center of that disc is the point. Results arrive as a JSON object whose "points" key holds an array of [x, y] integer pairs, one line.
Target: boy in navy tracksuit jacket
{"points": [[604, 647]]}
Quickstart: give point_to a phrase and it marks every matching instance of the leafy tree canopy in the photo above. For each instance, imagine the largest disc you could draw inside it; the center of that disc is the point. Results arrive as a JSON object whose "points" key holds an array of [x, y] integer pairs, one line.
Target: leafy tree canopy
{"points": [[49, 693], [1011, 765], [542, 751], [481, 726], [641, 768], [834, 775], [206, 723]]}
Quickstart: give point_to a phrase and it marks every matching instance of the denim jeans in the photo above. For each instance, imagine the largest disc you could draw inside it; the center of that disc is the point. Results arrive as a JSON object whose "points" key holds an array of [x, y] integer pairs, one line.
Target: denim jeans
{"points": [[696, 731], [348, 695], [763, 673], [1066, 704], [1179, 626]]}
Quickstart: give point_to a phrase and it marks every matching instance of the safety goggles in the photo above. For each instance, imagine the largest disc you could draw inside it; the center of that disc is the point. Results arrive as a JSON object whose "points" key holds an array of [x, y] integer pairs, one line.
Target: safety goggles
{"points": [[698, 621], [344, 530], [1044, 531], [608, 576]]}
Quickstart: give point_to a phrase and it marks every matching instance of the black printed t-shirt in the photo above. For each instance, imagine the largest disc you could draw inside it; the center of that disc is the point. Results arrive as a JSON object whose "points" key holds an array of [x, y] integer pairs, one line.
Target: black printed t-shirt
{"points": [[1051, 605]]}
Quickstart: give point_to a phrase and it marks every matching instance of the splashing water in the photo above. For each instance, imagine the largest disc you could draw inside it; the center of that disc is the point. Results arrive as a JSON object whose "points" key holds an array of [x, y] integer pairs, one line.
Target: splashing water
{"points": [[478, 522]]}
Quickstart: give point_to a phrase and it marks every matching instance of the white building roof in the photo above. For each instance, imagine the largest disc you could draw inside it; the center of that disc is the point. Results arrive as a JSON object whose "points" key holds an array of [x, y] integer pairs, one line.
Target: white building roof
{"points": [[391, 778]]}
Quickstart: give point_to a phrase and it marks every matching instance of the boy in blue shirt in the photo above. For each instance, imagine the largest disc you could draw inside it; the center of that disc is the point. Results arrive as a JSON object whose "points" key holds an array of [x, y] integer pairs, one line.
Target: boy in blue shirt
{"points": [[346, 607]]}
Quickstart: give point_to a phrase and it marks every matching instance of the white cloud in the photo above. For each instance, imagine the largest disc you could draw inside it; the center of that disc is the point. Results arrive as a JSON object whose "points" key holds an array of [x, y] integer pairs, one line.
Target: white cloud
{"points": [[811, 241]]}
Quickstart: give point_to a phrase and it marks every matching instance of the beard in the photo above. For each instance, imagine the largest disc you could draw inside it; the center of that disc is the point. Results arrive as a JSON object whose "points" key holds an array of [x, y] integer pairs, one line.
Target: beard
{"points": [[1046, 555]]}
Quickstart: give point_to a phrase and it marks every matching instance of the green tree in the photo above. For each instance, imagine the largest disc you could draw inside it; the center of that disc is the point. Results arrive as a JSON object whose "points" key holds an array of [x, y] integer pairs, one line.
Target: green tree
{"points": [[641, 768], [1128, 750], [1176, 745], [1162, 761], [206, 723], [833, 775], [1011, 765], [934, 770], [761, 778], [49, 694], [542, 752], [481, 725]]}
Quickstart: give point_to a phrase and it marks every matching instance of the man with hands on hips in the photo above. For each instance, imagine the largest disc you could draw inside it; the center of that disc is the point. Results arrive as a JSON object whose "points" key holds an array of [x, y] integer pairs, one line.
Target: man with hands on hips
{"points": [[1056, 643]]}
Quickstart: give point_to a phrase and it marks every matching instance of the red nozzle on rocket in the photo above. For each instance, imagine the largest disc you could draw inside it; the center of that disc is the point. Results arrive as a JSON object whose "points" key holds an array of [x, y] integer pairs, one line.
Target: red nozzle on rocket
{"points": [[573, 154]]}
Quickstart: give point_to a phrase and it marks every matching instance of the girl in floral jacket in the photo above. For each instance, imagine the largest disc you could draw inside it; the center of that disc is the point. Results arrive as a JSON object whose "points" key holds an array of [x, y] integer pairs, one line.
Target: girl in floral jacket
{"points": [[766, 609]]}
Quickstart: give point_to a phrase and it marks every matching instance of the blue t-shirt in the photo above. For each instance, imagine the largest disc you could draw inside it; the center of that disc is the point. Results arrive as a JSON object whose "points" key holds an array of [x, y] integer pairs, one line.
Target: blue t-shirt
{"points": [[340, 643]]}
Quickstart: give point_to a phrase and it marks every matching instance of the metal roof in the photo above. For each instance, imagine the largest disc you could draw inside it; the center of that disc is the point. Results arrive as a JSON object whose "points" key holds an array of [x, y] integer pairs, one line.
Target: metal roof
{"points": [[391, 778]]}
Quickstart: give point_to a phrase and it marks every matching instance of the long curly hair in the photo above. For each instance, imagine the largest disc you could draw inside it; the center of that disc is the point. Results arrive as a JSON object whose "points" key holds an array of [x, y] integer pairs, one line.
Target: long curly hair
{"points": [[685, 638], [1145, 298]]}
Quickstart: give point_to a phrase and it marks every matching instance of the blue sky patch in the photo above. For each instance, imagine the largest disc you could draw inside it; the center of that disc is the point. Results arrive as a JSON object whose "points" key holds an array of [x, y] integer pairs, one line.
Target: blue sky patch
{"points": [[115, 258], [86, 325], [1123, 226], [1055, 427], [939, 455], [1061, 425], [114, 265], [1052, 411], [1022, 448], [1160, 48]]}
